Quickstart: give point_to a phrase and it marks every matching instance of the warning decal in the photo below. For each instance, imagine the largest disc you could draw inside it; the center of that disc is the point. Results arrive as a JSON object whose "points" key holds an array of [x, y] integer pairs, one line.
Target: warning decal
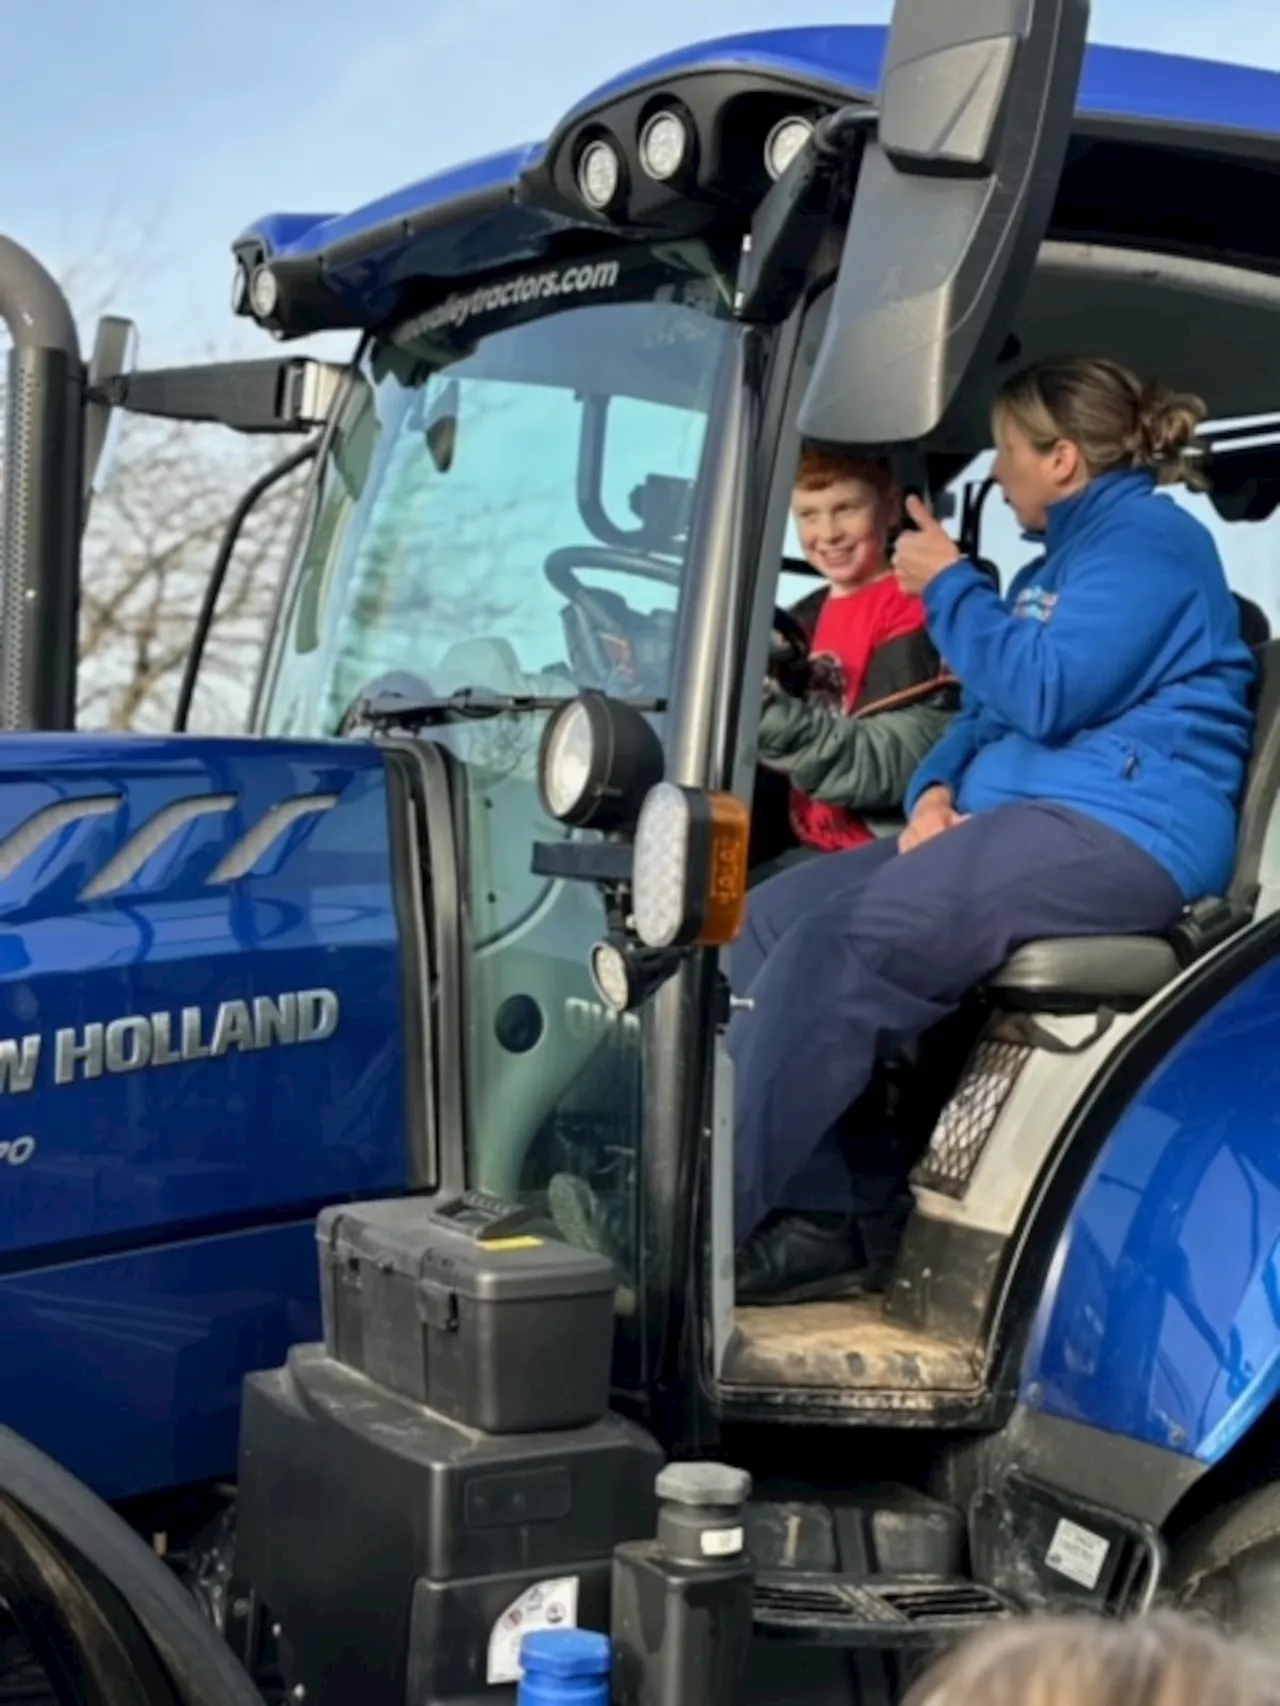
{"points": [[546, 1605]]}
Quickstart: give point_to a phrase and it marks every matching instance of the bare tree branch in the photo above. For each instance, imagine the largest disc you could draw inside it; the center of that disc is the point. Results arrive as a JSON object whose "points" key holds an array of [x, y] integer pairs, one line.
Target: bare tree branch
{"points": [[151, 543], [150, 547]]}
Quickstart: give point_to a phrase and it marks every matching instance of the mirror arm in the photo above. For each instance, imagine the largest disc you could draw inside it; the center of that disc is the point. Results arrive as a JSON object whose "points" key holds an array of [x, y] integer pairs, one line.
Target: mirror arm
{"points": [[273, 396]]}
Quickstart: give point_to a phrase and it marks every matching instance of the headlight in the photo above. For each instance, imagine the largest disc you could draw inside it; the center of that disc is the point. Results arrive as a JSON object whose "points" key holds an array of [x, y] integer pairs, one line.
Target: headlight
{"points": [[626, 976], [689, 868], [784, 142], [599, 759], [264, 293], [664, 145], [566, 760], [599, 174], [612, 976]]}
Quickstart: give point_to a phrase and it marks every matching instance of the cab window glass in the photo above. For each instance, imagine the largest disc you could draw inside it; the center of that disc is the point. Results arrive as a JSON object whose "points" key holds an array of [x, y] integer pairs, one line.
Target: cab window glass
{"points": [[1250, 550]]}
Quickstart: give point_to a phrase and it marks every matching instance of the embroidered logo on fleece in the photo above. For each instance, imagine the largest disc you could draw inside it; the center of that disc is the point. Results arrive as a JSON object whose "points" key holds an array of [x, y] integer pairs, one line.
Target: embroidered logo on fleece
{"points": [[1034, 604], [828, 682]]}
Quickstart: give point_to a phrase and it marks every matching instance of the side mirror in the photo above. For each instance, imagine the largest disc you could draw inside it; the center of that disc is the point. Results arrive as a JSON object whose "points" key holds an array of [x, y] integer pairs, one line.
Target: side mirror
{"points": [[115, 354], [952, 202]]}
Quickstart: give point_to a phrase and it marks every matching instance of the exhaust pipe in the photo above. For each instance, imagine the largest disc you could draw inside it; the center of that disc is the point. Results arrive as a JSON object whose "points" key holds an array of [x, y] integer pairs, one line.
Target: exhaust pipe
{"points": [[42, 505]]}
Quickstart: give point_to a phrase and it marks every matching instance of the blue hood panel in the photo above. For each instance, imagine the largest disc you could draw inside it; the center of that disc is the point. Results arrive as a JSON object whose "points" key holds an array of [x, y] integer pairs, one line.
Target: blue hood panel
{"points": [[200, 1042]]}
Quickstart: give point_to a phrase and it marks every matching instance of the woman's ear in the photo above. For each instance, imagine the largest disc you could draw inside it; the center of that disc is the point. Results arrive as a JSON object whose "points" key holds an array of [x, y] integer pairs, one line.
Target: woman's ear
{"points": [[1066, 464]]}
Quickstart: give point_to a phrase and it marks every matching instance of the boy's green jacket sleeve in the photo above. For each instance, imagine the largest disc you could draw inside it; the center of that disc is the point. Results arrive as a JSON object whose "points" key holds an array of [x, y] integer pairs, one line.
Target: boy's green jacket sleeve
{"points": [[863, 763]]}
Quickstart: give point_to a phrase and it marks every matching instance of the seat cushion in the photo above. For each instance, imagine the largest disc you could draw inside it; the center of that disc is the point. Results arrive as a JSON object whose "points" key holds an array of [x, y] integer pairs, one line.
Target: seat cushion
{"points": [[1071, 974]]}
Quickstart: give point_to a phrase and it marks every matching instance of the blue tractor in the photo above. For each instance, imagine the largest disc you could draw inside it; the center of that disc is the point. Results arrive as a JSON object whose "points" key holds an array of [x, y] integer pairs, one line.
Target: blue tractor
{"points": [[349, 956]]}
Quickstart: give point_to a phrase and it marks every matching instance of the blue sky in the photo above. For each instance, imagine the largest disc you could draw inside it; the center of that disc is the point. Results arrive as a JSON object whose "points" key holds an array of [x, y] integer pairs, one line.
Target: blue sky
{"points": [[141, 135]]}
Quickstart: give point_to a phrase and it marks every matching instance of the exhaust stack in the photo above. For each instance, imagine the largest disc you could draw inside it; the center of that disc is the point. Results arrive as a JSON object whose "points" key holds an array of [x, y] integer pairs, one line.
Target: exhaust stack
{"points": [[41, 508]]}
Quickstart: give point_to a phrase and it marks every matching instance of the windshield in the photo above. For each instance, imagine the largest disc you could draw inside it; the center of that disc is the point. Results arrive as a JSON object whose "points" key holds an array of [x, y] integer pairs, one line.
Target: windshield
{"points": [[505, 507]]}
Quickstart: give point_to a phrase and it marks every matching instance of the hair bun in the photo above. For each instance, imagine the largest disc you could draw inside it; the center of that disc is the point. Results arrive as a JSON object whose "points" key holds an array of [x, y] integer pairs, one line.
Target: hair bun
{"points": [[1166, 428]]}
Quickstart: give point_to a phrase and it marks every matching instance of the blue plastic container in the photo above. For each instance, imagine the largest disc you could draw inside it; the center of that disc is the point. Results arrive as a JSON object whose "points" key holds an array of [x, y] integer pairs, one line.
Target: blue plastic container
{"points": [[565, 1667]]}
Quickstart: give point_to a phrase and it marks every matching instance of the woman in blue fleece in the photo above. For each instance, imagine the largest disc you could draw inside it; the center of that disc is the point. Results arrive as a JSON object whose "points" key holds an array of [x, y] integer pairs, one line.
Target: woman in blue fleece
{"points": [[1090, 786]]}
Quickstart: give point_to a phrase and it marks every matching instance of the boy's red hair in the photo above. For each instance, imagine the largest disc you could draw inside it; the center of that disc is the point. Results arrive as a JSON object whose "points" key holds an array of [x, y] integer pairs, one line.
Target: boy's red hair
{"points": [[822, 465]]}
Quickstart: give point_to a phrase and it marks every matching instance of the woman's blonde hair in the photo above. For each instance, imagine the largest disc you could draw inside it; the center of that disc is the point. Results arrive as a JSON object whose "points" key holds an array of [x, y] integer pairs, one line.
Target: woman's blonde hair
{"points": [[1116, 420], [1162, 1660]]}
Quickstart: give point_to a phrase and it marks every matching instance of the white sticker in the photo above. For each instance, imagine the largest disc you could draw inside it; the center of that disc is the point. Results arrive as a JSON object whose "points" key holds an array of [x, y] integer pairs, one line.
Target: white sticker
{"points": [[546, 1605], [1077, 1554], [721, 1542]]}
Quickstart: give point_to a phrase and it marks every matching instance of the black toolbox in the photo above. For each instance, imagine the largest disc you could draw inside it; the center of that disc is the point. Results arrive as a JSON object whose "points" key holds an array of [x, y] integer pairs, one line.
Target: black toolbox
{"points": [[465, 1309]]}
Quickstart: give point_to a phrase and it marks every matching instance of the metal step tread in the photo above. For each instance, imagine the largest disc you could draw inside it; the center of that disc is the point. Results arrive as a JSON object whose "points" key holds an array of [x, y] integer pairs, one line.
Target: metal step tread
{"points": [[872, 1611]]}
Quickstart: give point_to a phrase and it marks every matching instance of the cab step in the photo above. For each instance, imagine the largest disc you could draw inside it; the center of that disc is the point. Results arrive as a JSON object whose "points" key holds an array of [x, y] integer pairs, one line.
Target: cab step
{"points": [[875, 1611]]}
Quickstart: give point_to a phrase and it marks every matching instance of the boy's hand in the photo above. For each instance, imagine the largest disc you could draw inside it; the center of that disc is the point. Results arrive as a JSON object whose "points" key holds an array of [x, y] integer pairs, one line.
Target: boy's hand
{"points": [[921, 556]]}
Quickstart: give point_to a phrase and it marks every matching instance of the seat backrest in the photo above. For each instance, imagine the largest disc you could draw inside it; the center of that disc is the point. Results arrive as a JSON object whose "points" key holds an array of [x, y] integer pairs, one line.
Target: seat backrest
{"points": [[1255, 629], [1263, 783]]}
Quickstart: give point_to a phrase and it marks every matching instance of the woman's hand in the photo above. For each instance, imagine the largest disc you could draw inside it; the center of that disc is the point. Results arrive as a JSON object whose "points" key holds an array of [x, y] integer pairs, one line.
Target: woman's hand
{"points": [[920, 557], [935, 814]]}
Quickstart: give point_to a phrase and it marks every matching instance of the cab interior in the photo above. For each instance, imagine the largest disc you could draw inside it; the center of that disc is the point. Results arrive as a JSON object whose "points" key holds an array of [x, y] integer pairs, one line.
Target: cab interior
{"points": [[981, 1107]]}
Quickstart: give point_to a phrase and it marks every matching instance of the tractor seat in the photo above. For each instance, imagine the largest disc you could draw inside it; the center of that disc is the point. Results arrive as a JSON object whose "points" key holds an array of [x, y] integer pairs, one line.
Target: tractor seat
{"points": [[1079, 974]]}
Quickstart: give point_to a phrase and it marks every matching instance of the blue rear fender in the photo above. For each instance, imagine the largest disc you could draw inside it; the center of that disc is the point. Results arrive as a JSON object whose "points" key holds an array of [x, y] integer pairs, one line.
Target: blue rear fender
{"points": [[201, 1041], [1161, 1318]]}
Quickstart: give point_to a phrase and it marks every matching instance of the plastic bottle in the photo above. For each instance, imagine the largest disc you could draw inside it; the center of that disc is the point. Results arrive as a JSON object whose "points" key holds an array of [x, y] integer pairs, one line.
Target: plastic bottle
{"points": [[565, 1667], [682, 1602]]}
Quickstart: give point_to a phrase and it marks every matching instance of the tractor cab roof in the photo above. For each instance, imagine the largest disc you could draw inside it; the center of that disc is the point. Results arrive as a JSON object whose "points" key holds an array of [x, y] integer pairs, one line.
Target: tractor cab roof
{"points": [[1169, 152]]}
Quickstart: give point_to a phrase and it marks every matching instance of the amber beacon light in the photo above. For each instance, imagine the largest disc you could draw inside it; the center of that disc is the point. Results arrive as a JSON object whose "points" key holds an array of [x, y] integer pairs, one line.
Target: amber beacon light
{"points": [[689, 876]]}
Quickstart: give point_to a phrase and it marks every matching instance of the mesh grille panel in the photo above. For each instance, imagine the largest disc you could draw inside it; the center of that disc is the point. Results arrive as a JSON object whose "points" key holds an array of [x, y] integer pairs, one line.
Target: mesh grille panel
{"points": [[969, 1118]]}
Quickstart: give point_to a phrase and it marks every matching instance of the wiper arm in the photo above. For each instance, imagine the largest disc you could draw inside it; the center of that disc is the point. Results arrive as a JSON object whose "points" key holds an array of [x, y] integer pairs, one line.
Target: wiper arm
{"points": [[404, 711]]}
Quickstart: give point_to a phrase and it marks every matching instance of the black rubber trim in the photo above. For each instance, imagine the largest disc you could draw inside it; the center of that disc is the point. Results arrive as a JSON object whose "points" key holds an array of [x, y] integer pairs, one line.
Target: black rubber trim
{"points": [[408, 879], [198, 1662], [428, 768]]}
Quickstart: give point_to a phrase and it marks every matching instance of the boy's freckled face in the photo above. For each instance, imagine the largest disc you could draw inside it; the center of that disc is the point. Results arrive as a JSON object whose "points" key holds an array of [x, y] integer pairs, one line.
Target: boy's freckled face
{"points": [[842, 530]]}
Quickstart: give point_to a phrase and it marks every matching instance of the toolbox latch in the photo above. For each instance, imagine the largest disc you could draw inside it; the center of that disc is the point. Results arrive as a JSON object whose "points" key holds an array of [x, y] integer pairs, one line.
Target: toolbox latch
{"points": [[438, 1305]]}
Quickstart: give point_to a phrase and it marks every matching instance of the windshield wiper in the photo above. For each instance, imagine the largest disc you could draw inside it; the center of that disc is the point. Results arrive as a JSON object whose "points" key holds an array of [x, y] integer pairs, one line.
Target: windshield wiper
{"points": [[399, 710]]}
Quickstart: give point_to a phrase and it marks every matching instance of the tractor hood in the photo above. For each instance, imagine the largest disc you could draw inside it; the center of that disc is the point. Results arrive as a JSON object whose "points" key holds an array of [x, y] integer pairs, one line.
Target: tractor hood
{"points": [[201, 1041]]}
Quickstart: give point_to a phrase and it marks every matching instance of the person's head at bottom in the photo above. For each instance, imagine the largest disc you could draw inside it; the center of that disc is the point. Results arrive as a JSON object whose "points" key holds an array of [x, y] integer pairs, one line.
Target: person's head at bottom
{"points": [[1161, 1660]]}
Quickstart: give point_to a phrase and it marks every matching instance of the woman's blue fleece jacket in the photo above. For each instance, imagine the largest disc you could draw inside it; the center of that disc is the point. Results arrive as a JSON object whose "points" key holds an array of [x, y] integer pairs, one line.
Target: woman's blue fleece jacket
{"points": [[1111, 679]]}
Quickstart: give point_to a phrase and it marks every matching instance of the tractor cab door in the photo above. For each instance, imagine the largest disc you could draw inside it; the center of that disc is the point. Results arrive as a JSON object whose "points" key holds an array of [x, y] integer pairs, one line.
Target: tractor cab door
{"points": [[952, 202]]}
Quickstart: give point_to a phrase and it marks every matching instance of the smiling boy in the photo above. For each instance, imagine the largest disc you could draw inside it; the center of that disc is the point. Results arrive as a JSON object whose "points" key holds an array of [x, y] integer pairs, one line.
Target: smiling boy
{"points": [[877, 697]]}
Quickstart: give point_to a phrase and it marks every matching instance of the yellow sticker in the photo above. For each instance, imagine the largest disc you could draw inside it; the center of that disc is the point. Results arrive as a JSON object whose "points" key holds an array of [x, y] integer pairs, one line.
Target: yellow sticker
{"points": [[512, 1243]]}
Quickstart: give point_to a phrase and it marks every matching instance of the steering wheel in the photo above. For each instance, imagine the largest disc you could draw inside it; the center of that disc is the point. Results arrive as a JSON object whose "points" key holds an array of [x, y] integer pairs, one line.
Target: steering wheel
{"points": [[608, 641], [788, 653]]}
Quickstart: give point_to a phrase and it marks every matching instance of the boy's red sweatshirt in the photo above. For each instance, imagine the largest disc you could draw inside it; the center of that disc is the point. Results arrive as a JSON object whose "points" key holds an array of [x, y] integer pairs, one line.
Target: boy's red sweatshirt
{"points": [[850, 634]]}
